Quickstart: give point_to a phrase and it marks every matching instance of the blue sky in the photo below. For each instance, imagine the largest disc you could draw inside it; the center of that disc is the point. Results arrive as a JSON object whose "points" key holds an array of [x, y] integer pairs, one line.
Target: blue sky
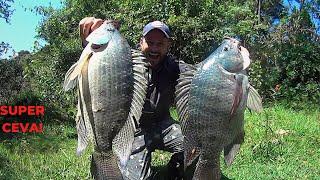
{"points": [[21, 31]]}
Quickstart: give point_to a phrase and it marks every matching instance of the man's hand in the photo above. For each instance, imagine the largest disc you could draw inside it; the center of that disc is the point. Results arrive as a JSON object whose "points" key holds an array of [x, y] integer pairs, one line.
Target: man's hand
{"points": [[86, 26], [89, 24]]}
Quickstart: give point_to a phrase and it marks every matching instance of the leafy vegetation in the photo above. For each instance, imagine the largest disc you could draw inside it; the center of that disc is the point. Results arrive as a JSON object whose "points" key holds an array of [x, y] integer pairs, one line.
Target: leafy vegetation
{"points": [[6, 9], [5, 13], [282, 40], [12, 81]]}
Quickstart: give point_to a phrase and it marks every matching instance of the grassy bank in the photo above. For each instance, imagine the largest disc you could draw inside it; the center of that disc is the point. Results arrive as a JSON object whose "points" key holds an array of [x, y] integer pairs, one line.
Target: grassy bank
{"points": [[280, 143]]}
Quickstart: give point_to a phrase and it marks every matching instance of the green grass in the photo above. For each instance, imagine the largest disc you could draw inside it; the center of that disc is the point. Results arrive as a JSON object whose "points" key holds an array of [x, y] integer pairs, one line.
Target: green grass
{"points": [[280, 143], [50, 155]]}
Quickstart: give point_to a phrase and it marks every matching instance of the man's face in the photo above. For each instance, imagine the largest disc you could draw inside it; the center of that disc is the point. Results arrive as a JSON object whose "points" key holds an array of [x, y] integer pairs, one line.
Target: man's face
{"points": [[155, 46]]}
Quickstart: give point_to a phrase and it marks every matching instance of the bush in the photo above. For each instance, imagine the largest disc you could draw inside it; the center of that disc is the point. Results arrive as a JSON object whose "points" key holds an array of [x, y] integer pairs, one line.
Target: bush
{"points": [[11, 78]]}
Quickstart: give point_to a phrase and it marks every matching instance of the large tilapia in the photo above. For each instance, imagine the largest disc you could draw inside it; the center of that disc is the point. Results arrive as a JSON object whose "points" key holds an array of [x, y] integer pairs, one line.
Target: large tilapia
{"points": [[211, 98], [112, 89]]}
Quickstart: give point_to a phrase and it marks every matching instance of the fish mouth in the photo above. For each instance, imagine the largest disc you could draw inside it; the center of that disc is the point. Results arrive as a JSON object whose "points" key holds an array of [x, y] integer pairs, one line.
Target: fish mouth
{"points": [[242, 50], [233, 40], [98, 47], [245, 56]]}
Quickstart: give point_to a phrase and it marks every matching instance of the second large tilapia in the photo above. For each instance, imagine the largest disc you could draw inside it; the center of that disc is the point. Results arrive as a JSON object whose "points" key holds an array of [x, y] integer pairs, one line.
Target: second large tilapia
{"points": [[112, 90], [211, 98]]}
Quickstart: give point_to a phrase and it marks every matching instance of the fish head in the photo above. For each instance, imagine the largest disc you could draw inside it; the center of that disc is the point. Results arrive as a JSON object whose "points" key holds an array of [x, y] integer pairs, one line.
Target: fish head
{"points": [[102, 35], [232, 56]]}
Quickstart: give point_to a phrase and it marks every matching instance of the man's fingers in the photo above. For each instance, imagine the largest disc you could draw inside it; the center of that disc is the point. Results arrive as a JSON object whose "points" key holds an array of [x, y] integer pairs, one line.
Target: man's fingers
{"points": [[96, 23], [87, 25], [84, 27]]}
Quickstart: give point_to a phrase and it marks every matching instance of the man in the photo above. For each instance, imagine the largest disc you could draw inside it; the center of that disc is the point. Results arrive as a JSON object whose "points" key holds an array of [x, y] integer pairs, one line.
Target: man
{"points": [[157, 129]]}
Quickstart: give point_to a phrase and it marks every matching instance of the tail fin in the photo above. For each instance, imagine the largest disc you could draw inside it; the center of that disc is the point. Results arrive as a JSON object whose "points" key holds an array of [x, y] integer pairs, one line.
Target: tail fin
{"points": [[204, 171], [104, 166], [208, 169]]}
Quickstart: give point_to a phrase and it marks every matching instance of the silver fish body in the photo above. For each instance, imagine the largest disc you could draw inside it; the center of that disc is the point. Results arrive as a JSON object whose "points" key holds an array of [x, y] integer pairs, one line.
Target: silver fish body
{"points": [[211, 99], [211, 123], [110, 80], [111, 95]]}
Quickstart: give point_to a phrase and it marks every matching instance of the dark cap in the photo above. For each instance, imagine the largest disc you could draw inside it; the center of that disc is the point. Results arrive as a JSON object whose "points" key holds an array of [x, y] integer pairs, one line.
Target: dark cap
{"points": [[156, 25]]}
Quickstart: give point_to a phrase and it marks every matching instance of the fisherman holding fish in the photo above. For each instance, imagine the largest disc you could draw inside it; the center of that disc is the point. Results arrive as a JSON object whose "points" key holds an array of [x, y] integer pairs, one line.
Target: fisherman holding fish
{"points": [[157, 129]]}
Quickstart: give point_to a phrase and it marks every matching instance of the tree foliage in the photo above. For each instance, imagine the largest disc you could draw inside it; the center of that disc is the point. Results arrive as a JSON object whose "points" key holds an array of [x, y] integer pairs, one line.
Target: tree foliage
{"points": [[6, 9], [288, 57], [12, 81], [5, 13], [283, 42]]}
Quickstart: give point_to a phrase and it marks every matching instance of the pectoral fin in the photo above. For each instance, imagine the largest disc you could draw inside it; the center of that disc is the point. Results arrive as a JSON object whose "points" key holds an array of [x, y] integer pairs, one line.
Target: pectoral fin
{"points": [[122, 143], [84, 117], [254, 101], [68, 83], [237, 95], [187, 73], [79, 67], [71, 79]]}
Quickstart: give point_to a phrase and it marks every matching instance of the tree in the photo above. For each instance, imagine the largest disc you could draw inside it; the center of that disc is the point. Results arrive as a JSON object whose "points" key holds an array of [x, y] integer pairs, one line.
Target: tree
{"points": [[5, 9], [12, 81], [197, 26], [289, 56], [4, 48], [5, 13]]}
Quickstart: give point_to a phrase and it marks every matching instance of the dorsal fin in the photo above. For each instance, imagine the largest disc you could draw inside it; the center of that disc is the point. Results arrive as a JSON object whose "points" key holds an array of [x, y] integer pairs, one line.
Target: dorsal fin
{"points": [[184, 67], [120, 144], [140, 67], [187, 73]]}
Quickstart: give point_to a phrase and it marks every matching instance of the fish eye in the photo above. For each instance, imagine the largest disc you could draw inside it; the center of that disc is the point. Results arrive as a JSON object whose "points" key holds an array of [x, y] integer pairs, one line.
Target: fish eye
{"points": [[226, 48]]}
